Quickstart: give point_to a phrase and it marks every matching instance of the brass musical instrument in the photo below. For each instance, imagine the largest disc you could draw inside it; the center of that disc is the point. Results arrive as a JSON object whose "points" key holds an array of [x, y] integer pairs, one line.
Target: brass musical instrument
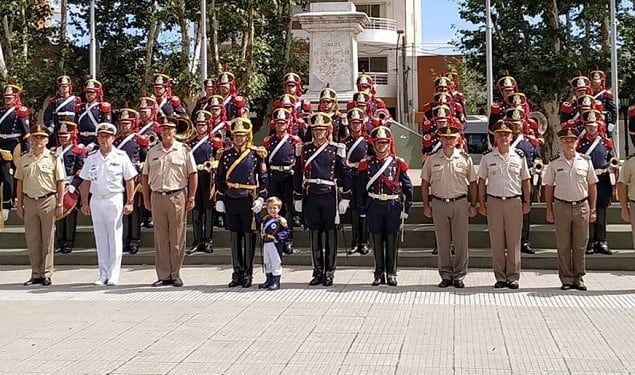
{"points": [[541, 119], [184, 128], [614, 164], [208, 166]]}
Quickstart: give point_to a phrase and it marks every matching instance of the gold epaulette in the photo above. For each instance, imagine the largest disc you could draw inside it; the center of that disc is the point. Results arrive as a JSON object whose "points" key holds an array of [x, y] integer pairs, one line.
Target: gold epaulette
{"points": [[260, 151]]}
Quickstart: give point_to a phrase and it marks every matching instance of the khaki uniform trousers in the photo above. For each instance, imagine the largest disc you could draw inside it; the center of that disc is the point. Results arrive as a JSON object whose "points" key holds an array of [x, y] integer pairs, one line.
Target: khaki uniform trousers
{"points": [[169, 216], [39, 229], [451, 225], [572, 234], [632, 211], [505, 225]]}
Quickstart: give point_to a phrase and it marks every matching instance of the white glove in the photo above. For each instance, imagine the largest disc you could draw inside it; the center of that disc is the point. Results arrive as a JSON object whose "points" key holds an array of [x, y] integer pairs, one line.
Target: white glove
{"points": [[5, 214], [297, 205], [344, 206], [71, 189], [257, 207], [610, 128], [220, 207], [403, 216]]}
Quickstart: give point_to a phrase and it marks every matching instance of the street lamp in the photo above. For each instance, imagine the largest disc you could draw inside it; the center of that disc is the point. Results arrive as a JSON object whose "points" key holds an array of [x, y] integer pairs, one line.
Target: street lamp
{"points": [[624, 103]]}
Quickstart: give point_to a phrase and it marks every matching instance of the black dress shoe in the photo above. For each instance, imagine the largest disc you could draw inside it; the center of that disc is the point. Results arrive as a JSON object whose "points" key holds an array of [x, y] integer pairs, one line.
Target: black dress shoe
{"points": [[392, 281], [376, 282], [445, 283], [602, 247], [58, 250], [33, 281], [589, 248], [46, 281], [162, 282], [233, 284], [287, 249], [316, 281], [435, 251], [565, 287], [500, 284], [363, 249], [193, 249], [459, 284], [208, 247], [526, 248], [177, 282], [67, 249], [149, 224], [352, 250], [452, 250], [513, 285], [246, 282], [133, 248], [579, 286], [328, 281]]}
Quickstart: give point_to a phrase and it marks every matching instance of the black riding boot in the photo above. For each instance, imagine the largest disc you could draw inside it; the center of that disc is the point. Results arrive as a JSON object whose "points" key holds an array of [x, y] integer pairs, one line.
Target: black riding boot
{"points": [[208, 231], [250, 250], [391, 258], [363, 237], [197, 230], [330, 256], [601, 245], [317, 255], [356, 230], [380, 265], [525, 246], [237, 258]]}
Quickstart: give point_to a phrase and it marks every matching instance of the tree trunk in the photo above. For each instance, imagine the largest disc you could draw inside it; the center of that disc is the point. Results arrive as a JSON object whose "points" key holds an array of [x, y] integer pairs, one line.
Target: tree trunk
{"points": [[554, 23], [63, 23], [216, 67], [196, 59], [248, 50], [606, 35], [25, 32], [152, 37], [246, 35], [3, 65], [185, 37], [6, 38], [288, 35]]}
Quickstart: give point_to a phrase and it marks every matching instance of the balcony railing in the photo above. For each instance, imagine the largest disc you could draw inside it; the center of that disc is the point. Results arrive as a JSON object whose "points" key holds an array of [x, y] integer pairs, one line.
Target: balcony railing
{"points": [[379, 77], [382, 24]]}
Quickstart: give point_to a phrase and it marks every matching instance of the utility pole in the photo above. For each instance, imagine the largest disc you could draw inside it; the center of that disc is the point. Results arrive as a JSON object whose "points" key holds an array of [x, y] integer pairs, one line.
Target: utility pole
{"points": [[405, 106]]}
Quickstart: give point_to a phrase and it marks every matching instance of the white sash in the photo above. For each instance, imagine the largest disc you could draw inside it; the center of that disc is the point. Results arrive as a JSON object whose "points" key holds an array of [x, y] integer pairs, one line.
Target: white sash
{"points": [[278, 146], [203, 140], [436, 147], [9, 111], [379, 172], [599, 93], [126, 140], [146, 127], [65, 102], [315, 154], [63, 151], [90, 114], [353, 147], [517, 141], [593, 146], [160, 106], [218, 127]]}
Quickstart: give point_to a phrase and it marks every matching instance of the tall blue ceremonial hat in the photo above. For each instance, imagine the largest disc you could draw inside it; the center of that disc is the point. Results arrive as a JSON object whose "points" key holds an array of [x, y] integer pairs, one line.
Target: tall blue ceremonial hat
{"points": [[381, 133], [280, 114], [320, 120]]}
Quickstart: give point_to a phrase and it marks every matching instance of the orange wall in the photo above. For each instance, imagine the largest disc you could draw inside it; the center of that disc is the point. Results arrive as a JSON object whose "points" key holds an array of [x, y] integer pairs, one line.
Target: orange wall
{"points": [[428, 68]]}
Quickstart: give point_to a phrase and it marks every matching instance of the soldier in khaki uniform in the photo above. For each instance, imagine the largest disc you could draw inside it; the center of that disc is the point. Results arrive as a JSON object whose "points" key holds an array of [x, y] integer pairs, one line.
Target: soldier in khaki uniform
{"points": [[505, 171], [626, 192], [570, 193], [169, 183], [448, 178], [40, 190]]}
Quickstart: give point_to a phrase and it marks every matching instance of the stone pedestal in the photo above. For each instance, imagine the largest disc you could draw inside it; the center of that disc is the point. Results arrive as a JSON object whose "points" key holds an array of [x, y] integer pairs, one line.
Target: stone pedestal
{"points": [[333, 28]]}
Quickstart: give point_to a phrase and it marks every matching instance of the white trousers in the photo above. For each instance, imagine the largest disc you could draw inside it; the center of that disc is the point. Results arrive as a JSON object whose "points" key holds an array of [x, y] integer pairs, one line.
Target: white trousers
{"points": [[107, 214], [271, 258]]}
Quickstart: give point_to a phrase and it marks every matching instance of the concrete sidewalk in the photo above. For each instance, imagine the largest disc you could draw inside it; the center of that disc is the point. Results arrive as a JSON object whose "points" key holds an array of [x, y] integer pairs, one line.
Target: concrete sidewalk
{"points": [[74, 327]]}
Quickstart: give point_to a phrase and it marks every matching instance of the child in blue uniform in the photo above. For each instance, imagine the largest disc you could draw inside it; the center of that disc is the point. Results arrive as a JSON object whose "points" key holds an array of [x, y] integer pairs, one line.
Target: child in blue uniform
{"points": [[274, 232]]}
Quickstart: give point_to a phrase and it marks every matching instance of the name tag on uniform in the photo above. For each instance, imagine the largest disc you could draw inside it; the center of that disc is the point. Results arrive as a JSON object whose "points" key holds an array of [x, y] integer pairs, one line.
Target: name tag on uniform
{"points": [[155, 159], [436, 165], [514, 165], [492, 165], [559, 169]]}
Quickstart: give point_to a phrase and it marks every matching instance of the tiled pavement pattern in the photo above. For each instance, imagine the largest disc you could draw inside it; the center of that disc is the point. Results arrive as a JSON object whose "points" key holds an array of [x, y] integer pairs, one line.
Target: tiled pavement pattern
{"points": [[74, 327]]}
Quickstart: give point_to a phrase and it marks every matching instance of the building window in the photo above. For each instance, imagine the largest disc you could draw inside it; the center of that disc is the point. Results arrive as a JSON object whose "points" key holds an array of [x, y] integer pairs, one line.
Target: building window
{"points": [[372, 64], [372, 10]]}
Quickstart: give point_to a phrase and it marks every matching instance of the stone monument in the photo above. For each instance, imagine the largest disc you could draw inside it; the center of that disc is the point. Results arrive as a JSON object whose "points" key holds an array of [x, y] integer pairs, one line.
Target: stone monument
{"points": [[333, 27]]}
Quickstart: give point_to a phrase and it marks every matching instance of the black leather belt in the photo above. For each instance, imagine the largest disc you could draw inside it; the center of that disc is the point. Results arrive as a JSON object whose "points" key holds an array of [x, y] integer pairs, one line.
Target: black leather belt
{"points": [[632, 201], [572, 203], [168, 192], [42, 197], [505, 198], [448, 200]]}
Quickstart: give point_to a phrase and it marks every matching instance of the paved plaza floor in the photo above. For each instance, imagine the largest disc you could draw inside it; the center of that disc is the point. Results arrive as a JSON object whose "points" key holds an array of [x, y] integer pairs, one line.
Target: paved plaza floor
{"points": [[74, 327]]}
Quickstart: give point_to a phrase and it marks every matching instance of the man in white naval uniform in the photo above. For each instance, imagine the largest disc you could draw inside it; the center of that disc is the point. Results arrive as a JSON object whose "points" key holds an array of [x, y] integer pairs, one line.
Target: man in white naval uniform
{"points": [[108, 173]]}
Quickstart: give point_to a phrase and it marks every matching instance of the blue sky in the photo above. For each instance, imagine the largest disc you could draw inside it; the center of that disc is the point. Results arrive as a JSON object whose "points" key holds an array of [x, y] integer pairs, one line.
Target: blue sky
{"points": [[439, 19]]}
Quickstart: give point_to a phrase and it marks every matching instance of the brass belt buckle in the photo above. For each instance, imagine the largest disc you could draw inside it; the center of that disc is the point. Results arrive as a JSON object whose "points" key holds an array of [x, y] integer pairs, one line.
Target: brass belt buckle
{"points": [[447, 200], [383, 197], [504, 198]]}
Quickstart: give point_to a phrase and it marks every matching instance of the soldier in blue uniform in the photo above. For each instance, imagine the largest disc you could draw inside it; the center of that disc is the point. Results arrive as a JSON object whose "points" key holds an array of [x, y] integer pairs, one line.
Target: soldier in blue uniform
{"points": [[61, 107], [320, 171], [14, 127], [607, 98], [166, 103], [569, 110], [599, 149], [241, 187], [136, 147], [150, 129], [94, 111], [202, 103], [356, 151], [235, 105], [383, 179], [73, 160], [515, 118], [274, 231], [280, 163], [204, 147], [329, 104]]}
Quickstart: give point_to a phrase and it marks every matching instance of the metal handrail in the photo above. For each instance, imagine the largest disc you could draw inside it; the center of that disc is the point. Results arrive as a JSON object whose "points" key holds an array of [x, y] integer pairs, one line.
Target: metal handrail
{"points": [[382, 24], [379, 78]]}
